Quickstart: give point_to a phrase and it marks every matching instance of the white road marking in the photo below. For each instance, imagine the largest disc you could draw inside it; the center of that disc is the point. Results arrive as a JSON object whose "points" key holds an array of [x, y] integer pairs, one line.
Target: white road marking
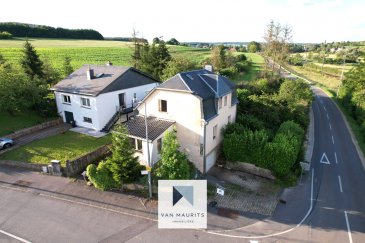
{"points": [[14, 236], [333, 141], [324, 108], [339, 181], [336, 158], [271, 235], [348, 227], [330, 127], [324, 159], [327, 116]]}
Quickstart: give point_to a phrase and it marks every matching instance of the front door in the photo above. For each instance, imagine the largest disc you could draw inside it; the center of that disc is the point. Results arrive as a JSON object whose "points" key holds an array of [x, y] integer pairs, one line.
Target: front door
{"points": [[69, 117], [121, 100]]}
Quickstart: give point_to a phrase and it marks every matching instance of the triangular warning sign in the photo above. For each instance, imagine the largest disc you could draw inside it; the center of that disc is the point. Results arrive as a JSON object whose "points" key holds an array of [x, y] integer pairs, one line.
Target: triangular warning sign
{"points": [[324, 159]]}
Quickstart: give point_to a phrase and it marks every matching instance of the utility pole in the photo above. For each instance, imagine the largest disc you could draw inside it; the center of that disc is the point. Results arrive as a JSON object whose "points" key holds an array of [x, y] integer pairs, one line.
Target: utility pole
{"points": [[148, 153]]}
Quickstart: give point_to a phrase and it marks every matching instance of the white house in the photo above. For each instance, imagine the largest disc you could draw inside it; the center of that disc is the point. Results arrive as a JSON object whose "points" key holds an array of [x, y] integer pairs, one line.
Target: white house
{"points": [[198, 104], [94, 95]]}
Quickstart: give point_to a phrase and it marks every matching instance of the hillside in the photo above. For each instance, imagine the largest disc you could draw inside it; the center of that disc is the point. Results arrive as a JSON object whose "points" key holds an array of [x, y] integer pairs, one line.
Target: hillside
{"points": [[43, 31], [87, 51]]}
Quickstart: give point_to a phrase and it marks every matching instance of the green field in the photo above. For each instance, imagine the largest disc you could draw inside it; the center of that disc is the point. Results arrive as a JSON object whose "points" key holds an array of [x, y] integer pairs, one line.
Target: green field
{"points": [[257, 66], [67, 146], [88, 51]]}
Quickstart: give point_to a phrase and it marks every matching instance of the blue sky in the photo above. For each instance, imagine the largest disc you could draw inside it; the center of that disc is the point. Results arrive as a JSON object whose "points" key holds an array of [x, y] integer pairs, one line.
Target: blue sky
{"points": [[197, 20]]}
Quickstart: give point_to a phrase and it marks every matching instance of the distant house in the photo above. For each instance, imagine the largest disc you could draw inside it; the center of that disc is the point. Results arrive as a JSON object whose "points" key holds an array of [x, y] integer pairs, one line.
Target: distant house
{"points": [[94, 95], [198, 104]]}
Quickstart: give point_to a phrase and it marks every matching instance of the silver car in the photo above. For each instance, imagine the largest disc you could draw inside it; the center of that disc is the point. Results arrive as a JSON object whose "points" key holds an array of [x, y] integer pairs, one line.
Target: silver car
{"points": [[6, 143]]}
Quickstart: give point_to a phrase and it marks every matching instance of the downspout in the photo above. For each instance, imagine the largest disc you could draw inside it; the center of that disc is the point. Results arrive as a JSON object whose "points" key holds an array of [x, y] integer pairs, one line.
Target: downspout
{"points": [[204, 148]]}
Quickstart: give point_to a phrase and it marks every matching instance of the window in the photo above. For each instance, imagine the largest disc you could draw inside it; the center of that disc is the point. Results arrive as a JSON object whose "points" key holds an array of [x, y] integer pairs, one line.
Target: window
{"points": [[159, 145], [85, 102], [163, 105], [88, 120], [66, 99], [225, 100], [136, 144], [229, 119], [220, 103], [215, 131], [135, 95]]}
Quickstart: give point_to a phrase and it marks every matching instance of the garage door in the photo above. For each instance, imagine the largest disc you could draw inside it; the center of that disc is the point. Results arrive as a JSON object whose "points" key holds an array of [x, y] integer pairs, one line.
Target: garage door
{"points": [[210, 161]]}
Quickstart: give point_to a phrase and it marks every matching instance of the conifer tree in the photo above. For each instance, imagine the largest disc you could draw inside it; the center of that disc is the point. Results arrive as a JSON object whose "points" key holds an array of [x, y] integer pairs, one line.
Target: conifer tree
{"points": [[31, 63]]}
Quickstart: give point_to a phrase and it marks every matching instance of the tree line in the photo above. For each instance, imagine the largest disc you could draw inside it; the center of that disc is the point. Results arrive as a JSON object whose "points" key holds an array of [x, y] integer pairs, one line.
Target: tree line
{"points": [[43, 31]]}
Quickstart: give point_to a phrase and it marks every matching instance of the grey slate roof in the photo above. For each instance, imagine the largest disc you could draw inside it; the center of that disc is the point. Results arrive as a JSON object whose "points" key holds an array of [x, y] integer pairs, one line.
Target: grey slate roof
{"points": [[204, 84], [136, 127], [113, 78]]}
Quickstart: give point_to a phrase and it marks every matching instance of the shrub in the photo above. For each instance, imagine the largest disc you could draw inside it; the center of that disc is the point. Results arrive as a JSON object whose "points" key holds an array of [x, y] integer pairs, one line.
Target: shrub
{"points": [[101, 176]]}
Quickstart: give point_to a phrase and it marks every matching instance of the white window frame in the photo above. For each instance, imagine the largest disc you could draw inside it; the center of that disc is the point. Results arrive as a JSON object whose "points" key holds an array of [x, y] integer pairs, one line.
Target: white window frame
{"points": [[87, 105], [66, 99], [160, 105], [225, 100]]}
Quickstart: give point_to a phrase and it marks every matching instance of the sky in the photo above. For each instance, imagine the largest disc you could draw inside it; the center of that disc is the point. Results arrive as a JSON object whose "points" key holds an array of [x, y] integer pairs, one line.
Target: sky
{"points": [[312, 21]]}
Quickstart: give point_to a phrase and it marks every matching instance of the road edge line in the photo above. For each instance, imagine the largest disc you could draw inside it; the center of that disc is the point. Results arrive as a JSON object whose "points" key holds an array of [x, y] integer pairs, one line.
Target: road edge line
{"points": [[14, 236]]}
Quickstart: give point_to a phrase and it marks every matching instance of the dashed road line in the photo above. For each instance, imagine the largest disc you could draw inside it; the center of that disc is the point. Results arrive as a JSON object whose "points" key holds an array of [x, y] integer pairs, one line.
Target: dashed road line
{"points": [[330, 127], [336, 158], [340, 183], [348, 228], [14, 236], [333, 140], [327, 116]]}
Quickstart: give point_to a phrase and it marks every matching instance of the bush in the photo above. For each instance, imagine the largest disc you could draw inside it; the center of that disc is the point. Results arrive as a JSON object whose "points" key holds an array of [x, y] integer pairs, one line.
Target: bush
{"points": [[101, 176], [5, 35], [229, 72]]}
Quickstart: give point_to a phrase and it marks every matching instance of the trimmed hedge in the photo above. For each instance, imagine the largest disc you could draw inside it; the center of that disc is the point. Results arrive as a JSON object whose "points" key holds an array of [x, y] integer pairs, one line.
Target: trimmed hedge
{"points": [[279, 155]]}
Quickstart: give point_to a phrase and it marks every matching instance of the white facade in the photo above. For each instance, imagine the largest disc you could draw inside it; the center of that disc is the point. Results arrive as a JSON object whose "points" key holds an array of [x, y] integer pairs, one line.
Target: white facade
{"points": [[193, 132], [98, 110]]}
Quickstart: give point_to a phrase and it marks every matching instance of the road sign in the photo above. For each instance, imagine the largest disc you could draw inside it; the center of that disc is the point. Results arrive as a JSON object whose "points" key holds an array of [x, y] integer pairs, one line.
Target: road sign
{"points": [[324, 159], [148, 168], [220, 191], [144, 172]]}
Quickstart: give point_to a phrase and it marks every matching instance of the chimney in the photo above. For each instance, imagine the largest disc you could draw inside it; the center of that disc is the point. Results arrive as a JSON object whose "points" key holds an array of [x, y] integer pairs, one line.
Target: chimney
{"points": [[109, 63], [90, 74], [209, 67]]}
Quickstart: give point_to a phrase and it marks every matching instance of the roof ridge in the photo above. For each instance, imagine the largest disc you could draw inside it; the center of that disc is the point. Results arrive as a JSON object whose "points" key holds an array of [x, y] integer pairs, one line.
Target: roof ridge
{"points": [[186, 85], [208, 84]]}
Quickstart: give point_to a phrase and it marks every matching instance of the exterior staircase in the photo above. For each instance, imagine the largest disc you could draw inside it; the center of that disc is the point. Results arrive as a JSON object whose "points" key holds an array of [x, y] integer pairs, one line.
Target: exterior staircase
{"points": [[115, 118]]}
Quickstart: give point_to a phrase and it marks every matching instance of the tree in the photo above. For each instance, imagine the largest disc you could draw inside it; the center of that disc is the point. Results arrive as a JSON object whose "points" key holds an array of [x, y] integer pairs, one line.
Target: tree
{"points": [[122, 167], [5, 35], [253, 47], [173, 164], [31, 63], [177, 65], [67, 67], [50, 74], [218, 57], [137, 50], [173, 41], [156, 40], [154, 59]]}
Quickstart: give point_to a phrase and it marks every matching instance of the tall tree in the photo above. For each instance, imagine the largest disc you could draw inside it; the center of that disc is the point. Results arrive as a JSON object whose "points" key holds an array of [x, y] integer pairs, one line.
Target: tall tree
{"points": [[50, 74], [173, 164], [137, 50], [218, 57], [31, 63], [177, 65], [67, 67]]}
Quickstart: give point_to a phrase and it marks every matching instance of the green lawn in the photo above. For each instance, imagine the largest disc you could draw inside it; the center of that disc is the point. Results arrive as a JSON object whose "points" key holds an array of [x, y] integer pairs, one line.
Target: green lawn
{"points": [[67, 146], [257, 66], [9, 124], [88, 51]]}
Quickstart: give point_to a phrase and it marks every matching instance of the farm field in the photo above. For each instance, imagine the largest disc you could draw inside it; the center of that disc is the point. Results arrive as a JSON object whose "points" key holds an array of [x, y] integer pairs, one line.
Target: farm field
{"points": [[257, 66], [88, 51]]}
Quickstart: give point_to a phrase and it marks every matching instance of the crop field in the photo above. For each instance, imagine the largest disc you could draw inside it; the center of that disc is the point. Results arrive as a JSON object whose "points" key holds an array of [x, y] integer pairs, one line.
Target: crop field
{"points": [[88, 51]]}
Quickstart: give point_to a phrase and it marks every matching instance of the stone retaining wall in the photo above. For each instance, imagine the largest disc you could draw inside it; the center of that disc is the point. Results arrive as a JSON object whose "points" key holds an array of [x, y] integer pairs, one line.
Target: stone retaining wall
{"points": [[33, 129], [78, 165], [250, 168], [24, 165]]}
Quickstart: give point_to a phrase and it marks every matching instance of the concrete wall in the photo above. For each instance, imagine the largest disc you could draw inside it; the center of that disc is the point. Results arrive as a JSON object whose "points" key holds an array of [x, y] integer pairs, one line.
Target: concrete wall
{"points": [[24, 165]]}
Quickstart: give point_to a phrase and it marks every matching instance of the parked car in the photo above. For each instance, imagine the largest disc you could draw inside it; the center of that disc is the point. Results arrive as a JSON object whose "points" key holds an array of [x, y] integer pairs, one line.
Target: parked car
{"points": [[6, 143]]}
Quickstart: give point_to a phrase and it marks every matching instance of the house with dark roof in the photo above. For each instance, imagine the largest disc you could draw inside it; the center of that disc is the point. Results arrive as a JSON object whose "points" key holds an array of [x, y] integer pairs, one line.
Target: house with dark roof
{"points": [[95, 96], [200, 103]]}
